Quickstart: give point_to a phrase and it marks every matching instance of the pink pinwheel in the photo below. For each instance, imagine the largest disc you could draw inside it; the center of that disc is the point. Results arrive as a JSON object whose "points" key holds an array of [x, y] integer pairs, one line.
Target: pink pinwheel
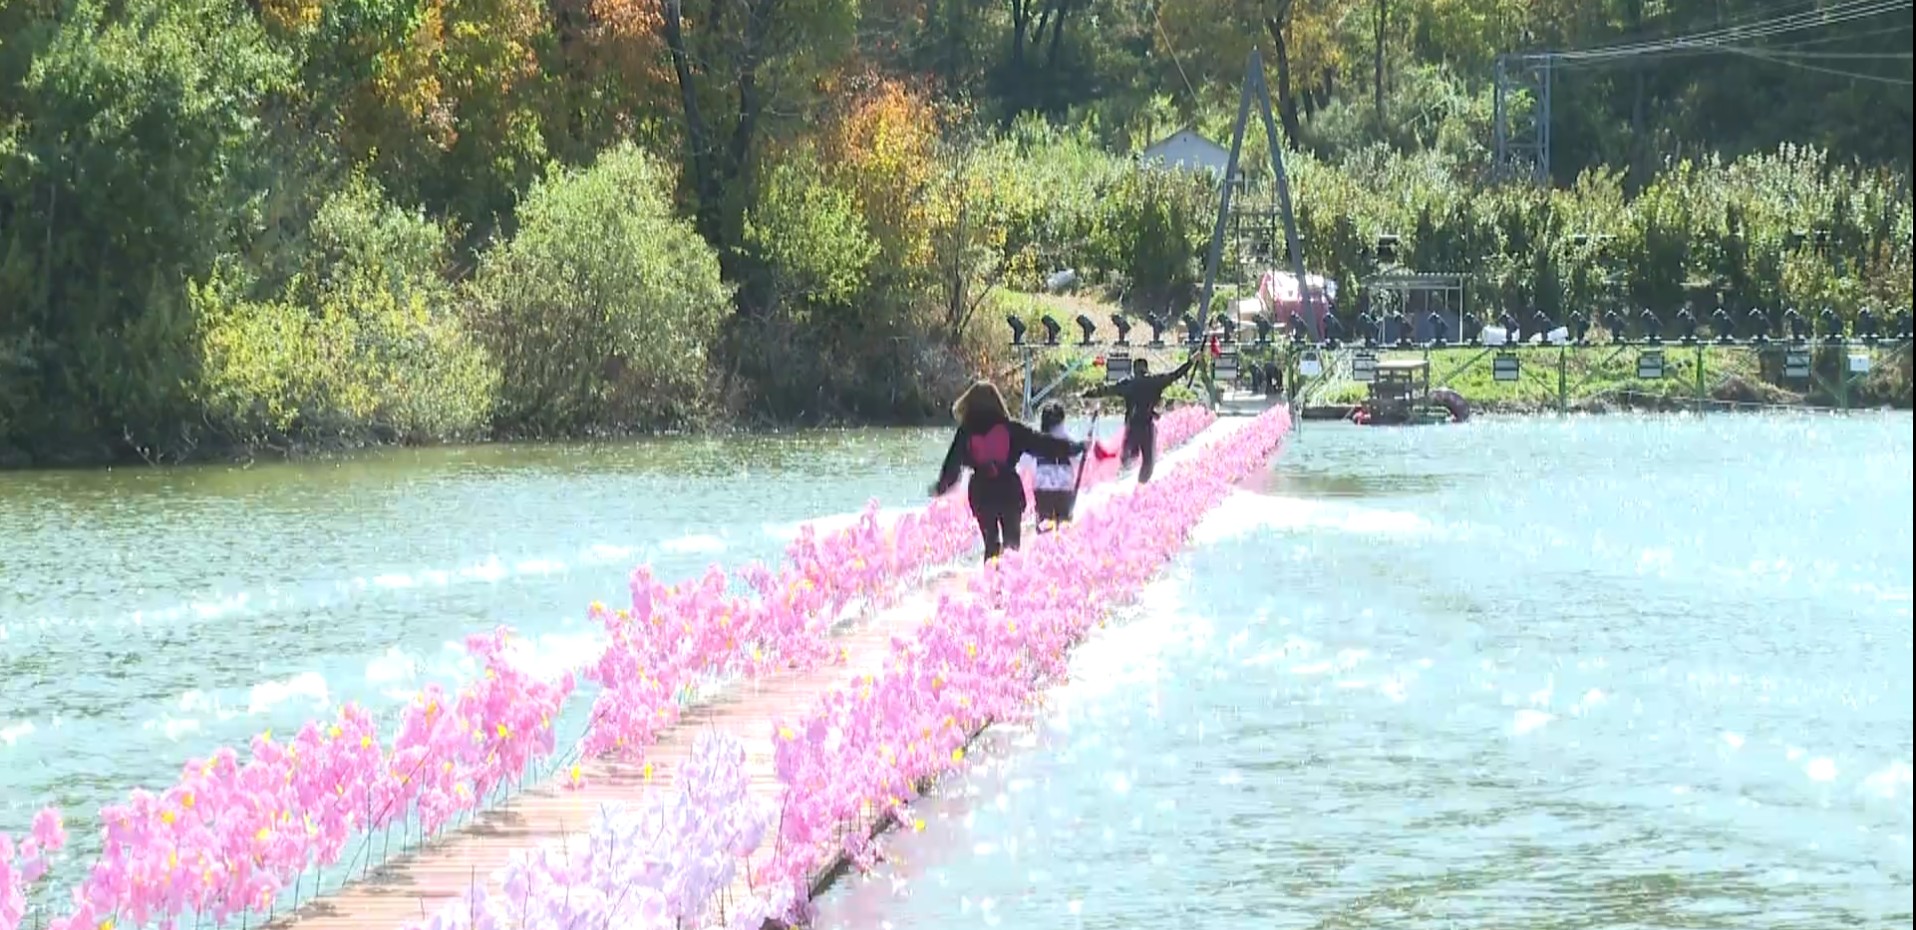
{"points": [[230, 835]]}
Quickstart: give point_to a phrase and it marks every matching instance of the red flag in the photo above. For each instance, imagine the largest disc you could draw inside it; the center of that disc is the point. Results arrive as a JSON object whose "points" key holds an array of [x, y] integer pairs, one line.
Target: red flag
{"points": [[1215, 351]]}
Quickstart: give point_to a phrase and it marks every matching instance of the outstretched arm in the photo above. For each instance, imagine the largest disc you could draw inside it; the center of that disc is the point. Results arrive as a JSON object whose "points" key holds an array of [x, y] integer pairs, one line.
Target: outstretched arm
{"points": [[1105, 390], [1181, 370], [1028, 440], [954, 459], [1156, 384]]}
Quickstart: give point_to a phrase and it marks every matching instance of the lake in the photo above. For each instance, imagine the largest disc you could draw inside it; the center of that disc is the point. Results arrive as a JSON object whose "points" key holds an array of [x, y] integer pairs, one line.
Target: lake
{"points": [[1614, 672], [1540, 673]]}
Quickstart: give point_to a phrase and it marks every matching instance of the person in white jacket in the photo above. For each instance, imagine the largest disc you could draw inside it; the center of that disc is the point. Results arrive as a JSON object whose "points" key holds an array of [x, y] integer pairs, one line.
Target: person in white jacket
{"points": [[1054, 481]]}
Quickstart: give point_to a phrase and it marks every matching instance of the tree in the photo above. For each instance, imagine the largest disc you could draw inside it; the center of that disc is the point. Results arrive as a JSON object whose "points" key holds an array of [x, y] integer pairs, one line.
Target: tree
{"points": [[602, 308], [132, 162], [1301, 38], [742, 66]]}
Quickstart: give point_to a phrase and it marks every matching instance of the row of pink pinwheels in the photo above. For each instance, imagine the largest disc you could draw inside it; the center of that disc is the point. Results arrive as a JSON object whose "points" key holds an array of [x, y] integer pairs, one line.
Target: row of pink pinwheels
{"points": [[863, 750], [229, 836]]}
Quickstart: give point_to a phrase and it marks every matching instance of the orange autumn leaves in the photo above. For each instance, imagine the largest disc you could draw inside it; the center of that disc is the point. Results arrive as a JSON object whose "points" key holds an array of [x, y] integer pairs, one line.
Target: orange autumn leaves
{"points": [[884, 148], [436, 69], [625, 39]]}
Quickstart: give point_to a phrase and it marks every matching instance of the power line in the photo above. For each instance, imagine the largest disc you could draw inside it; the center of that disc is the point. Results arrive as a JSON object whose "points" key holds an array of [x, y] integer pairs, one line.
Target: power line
{"points": [[1714, 39], [1825, 40], [1853, 75], [1737, 38], [1188, 91], [1647, 34], [1842, 11]]}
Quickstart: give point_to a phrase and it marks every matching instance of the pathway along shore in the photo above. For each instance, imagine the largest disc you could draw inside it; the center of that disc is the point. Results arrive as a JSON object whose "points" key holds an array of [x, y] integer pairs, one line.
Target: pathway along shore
{"points": [[412, 886]]}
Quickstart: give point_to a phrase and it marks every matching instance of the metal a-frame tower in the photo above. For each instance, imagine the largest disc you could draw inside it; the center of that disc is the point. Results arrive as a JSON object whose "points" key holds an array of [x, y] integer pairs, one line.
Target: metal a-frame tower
{"points": [[1254, 86], [1522, 141]]}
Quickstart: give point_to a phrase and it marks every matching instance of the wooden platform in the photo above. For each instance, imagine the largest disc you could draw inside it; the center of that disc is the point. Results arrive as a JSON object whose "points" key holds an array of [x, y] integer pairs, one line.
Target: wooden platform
{"points": [[413, 885], [1235, 403]]}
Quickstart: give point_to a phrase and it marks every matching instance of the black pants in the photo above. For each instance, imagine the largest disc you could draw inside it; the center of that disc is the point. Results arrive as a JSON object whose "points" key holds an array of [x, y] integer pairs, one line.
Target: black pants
{"points": [[1001, 526], [1141, 439], [1055, 506], [998, 504]]}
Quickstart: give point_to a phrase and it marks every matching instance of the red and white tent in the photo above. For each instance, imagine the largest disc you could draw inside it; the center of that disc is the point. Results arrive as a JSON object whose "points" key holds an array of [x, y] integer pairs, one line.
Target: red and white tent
{"points": [[1284, 300]]}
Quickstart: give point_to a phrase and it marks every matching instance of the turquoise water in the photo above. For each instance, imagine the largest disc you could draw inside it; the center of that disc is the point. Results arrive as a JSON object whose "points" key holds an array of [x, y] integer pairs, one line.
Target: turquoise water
{"points": [[1593, 672], [148, 617], [1604, 672]]}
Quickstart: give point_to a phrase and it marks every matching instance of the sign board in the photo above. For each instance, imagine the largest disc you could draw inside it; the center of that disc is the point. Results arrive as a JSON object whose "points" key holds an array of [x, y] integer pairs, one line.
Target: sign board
{"points": [[1859, 364], [1650, 366], [1309, 366], [1364, 367], [1116, 368], [1796, 365], [1504, 367]]}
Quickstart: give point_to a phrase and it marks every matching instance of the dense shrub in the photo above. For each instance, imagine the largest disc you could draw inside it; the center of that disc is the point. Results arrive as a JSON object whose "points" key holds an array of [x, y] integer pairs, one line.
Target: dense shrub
{"points": [[602, 309], [129, 151], [1740, 234], [810, 239], [365, 343]]}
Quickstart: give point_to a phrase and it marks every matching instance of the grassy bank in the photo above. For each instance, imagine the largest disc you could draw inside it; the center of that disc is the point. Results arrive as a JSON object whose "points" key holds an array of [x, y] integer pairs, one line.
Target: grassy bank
{"points": [[1591, 378], [1596, 379]]}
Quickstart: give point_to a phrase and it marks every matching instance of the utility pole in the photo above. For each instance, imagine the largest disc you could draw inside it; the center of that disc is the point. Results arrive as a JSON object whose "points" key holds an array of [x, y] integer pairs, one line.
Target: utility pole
{"points": [[1522, 143]]}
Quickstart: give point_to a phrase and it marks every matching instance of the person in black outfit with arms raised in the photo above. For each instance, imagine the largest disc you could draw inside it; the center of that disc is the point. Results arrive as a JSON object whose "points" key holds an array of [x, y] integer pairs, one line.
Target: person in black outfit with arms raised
{"points": [[990, 443], [1141, 393]]}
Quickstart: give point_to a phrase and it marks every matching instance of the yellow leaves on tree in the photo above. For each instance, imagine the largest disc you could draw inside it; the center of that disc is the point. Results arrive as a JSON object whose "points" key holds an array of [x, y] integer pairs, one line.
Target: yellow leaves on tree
{"points": [[460, 62], [290, 16], [490, 45], [884, 152], [1225, 30], [406, 78]]}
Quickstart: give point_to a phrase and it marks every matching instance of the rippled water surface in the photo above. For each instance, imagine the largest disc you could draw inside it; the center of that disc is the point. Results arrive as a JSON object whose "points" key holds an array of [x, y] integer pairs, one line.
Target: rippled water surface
{"points": [[150, 616], [1607, 672], [1611, 672]]}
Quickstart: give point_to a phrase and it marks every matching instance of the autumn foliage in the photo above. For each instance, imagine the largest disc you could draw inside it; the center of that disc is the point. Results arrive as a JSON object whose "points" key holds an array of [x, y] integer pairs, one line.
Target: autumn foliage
{"points": [[235, 223], [884, 151]]}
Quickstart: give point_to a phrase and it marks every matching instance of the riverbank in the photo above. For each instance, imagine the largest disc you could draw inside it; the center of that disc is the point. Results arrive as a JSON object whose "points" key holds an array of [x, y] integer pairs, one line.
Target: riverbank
{"points": [[1603, 379], [342, 448], [1575, 379]]}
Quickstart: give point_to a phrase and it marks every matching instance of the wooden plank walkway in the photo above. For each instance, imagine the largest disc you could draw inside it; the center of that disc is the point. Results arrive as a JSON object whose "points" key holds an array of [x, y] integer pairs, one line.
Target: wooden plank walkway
{"points": [[412, 886]]}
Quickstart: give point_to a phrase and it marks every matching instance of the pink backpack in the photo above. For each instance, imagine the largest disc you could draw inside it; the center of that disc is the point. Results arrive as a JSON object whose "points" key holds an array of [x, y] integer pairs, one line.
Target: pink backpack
{"points": [[991, 450]]}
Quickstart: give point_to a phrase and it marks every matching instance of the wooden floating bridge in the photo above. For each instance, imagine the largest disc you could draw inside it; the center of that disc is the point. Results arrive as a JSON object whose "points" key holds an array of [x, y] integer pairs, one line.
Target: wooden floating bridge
{"points": [[418, 882]]}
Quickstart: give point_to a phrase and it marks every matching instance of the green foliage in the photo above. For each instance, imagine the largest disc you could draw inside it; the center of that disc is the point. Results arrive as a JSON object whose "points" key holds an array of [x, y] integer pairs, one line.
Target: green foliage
{"points": [[131, 157], [810, 238], [602, 309], [365, 345], [228, 223], [1700, 234], [1152, 231]]}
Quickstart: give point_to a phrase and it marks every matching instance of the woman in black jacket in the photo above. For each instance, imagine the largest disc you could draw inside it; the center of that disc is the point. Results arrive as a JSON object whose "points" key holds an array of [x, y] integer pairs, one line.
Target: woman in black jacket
{"points": [[990, 443]]}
